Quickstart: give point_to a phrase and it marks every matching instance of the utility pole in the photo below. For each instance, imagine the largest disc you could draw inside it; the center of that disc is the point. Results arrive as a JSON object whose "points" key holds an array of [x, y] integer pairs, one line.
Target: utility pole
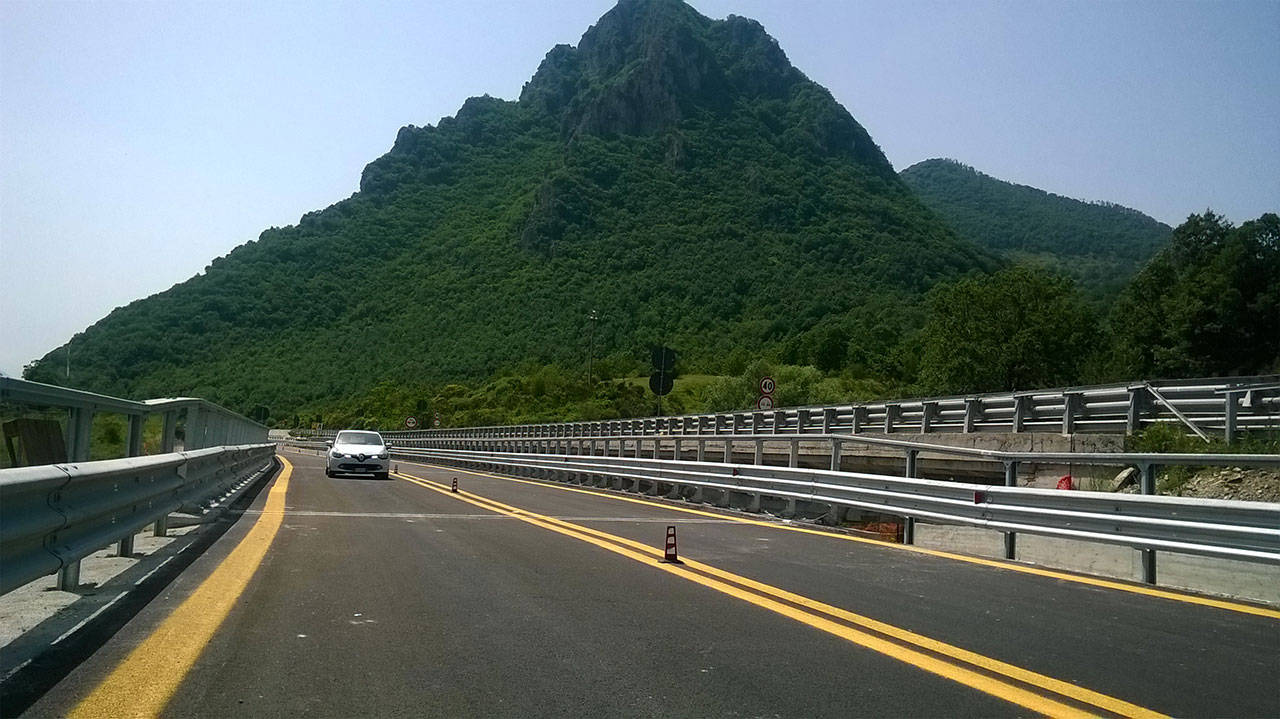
{"points": [[591, 352]]}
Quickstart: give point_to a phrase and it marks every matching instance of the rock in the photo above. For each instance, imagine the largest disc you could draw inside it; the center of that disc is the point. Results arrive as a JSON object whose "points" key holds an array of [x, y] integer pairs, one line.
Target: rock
{"points": [[1127, 477]]}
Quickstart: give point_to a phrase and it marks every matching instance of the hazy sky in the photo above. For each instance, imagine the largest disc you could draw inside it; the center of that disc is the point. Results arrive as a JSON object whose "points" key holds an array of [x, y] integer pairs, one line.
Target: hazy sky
{"points": [[140, 140]]}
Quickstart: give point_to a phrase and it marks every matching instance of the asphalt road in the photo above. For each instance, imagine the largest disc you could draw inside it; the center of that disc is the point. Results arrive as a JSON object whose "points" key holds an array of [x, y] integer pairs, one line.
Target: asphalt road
{"points": [[398, 598]]}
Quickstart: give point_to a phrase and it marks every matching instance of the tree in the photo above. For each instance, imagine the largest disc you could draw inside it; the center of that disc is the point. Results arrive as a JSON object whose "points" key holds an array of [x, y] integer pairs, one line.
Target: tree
{"points": [[1019, 328], [1209, 304]]}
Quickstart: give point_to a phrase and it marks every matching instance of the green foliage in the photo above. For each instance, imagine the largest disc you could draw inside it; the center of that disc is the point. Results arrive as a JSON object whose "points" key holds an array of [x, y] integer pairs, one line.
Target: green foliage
{"points": [[1020, 328], [1174, 438], [1209, 304], [1099, 244]]}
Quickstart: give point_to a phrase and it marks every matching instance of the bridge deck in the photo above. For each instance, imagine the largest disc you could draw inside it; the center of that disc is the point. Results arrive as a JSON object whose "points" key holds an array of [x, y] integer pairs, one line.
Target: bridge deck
{"points": [[396, 598]]}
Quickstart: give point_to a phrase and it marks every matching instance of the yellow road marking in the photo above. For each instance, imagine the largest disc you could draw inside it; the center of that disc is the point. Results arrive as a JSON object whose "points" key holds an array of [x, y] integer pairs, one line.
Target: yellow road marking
{"points": [[1025, 569], [142, 684], [767, 597]]}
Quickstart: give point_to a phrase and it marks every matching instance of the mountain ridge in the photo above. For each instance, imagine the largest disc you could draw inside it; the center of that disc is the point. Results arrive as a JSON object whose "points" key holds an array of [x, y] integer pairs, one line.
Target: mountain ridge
{"points": [[1101, 244], [676, 174]]}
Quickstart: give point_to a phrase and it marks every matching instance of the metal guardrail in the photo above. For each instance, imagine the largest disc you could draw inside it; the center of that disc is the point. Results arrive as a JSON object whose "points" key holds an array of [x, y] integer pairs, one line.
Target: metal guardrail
{"points": [[52, 516], [1225, 405], [1218, 528], [204, 424]]}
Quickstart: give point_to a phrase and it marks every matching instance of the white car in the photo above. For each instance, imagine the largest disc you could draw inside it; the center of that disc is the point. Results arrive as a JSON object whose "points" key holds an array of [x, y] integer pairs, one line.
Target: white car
{"points": [[357, 452]]}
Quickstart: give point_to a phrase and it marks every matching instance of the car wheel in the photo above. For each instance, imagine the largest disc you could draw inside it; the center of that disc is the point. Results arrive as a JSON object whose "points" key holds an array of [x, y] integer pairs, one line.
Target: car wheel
{"points": [[381, 475], [328, 472]]}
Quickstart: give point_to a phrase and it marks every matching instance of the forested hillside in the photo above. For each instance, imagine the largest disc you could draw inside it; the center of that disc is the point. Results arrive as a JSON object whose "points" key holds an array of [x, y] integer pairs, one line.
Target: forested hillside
{"points": [[678, 179], [674, 173], [1101, 245]]}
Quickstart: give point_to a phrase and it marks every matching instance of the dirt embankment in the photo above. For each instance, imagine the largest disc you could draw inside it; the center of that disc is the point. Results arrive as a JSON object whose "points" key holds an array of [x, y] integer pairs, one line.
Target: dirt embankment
{"points": [[1254, 485]]}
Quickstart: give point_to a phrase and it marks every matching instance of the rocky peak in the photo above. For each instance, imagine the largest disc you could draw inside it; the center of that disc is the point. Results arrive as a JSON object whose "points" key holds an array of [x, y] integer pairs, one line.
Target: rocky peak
{"points": [[648, 64]]}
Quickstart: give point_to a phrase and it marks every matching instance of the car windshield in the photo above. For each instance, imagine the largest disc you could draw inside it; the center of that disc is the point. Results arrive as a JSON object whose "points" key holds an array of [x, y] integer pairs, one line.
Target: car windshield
{"points": [[359, 438]]}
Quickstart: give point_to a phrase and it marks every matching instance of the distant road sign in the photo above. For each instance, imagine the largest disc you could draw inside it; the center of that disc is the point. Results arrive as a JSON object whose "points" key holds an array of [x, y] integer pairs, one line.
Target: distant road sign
{"points": [[660, 383], [411, 422], [764, 403], [767, 385], [664, 359], [436, 422]]}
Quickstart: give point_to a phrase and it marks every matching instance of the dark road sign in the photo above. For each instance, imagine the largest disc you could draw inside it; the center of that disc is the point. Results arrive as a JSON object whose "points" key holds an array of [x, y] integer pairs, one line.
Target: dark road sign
{"points": [[660, 383]]}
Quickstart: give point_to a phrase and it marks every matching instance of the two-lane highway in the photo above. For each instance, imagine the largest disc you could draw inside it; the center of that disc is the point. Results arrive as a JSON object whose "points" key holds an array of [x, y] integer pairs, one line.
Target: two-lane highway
{"points": [[519, 598]]}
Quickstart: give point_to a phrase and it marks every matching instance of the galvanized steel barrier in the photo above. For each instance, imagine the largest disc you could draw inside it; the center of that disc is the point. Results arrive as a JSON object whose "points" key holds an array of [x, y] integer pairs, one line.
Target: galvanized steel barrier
{"points": [[1223, 405], [52, 516], [1230, 529], [205, 424]]}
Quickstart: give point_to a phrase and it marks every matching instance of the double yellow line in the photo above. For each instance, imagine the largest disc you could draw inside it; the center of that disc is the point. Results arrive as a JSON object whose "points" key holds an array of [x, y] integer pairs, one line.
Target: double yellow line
{"points": [[1120, 586], [1036, 692]]}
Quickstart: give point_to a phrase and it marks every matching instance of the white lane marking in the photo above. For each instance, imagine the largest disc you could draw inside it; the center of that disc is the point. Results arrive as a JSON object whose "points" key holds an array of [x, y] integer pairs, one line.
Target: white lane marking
{"points": [[147, 576], [15, 670], [89, 618]]}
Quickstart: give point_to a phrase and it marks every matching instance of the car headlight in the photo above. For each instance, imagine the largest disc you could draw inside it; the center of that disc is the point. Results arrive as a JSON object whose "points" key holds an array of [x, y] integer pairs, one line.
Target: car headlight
{"points": [[380, 456], [336, 455]]}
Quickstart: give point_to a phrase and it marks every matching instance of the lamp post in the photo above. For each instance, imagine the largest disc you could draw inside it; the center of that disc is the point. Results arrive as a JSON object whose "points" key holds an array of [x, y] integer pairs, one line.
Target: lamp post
{"points": [[591, 352]]}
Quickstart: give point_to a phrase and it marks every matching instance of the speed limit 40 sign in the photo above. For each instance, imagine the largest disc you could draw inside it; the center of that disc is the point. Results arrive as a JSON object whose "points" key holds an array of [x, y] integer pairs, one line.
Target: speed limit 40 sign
{"points": [[767, 385]]}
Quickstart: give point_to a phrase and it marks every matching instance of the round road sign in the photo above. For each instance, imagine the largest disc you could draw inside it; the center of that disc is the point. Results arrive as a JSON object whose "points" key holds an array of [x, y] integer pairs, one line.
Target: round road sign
{"points": [[436, 421], [767, 385], [764, 403], [411, 422]]}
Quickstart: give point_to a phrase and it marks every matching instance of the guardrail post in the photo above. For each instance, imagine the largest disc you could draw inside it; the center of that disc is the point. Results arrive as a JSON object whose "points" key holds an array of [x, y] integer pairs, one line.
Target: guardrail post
{"points": [[1148, 556], [1010, 538], [859, 418], [835, 455], [757, 422], [69, 577], [927, 412], [161, 527], [1071, 403], [1230, 412], [676, 452], [79, 431], [779, 422], [828, 419], [802, 421], [193, 433], [909, 523], [135, 435], [793, 458], [1138, 401], [759, 456], [125, 547], [972, 413], [169, 439], [1019, 412], [890, 412]]}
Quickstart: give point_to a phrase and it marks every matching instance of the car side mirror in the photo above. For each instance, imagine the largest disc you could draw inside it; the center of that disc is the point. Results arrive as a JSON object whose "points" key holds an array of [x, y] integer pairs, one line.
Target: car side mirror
{"points": [[388, 444], [328, 443]]}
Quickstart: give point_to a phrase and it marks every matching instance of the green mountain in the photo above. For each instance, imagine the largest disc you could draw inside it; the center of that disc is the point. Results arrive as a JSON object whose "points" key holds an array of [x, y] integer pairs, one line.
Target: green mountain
{"points": [[674, 173], [1101, 245]]}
